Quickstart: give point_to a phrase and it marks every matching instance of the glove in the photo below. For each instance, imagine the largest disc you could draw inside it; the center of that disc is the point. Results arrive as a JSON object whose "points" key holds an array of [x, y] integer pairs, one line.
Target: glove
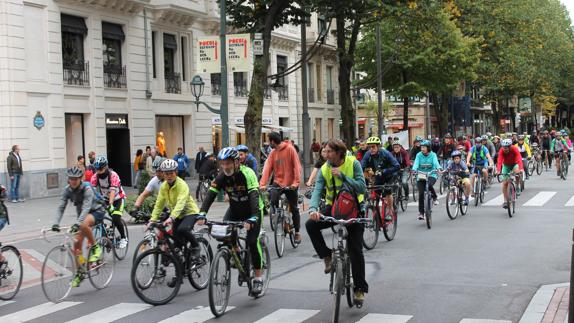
{"points": [[111, 209], [252, 220], [200, 216], [56, 228], [75, 228]]}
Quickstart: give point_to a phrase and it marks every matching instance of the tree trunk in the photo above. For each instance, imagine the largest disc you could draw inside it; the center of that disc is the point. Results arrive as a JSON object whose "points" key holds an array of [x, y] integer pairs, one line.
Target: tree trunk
{"points": [[405, 104], [441, 112], [496, 116]]}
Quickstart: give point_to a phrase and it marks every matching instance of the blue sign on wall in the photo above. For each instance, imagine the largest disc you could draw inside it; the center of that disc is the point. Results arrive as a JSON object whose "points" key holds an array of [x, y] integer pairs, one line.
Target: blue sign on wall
{"points": [[39, 121]]}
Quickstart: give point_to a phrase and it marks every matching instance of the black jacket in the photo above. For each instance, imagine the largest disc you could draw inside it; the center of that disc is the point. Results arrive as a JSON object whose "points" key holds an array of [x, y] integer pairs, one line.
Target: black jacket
{"points": [[13, 166], [199, 158]]}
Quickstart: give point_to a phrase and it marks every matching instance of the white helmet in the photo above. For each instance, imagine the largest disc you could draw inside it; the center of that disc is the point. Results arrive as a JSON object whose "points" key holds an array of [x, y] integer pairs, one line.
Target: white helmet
{"points": [[168, 165], [506, 143]]}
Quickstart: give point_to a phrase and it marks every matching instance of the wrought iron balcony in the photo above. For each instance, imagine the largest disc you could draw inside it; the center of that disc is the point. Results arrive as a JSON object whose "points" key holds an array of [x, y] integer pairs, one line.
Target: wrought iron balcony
{"points": [[173, 83], [267, 93], [241, 89], [77, 73], [283, 93], [215, 88], [311, 93], [330, 96], [115, 76]]}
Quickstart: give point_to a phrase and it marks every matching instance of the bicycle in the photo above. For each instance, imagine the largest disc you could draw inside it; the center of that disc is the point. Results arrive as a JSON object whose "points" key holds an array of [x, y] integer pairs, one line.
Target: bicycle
{"points": [[233, 251], [372, 211], [401, 197], [455, 197], [283, 203], [428, 202], [478, 187], [61, 265], [546, 153], [414, 188], [151, 237], [283, 223], [113, 234], [563, 165], [11, 272], [538, 165], [340, 275], [204, 185], [511, 193]]}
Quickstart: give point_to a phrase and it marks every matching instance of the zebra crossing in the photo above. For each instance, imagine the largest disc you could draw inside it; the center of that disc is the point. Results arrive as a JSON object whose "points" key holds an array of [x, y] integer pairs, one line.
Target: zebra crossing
{"points": [[539, 199], [197, 314]]}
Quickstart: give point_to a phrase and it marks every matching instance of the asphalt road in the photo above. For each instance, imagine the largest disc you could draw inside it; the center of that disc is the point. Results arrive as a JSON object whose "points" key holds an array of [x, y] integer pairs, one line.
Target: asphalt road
{"points": [[484, 265]]}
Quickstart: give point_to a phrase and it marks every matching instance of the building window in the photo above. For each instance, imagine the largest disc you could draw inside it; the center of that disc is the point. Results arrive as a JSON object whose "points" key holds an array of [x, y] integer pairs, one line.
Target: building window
{"points": [[153, 36], [183, 58], [215, 83], [322, 25], [310, 81], [329, 82], [240, 84], [281, 68], [76, 70], [319, 84], [172, 79], [114, 72]]}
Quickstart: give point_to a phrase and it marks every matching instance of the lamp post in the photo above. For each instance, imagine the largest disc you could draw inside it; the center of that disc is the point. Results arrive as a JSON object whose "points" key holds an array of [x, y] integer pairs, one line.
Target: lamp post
{"points": [[197, 88]]}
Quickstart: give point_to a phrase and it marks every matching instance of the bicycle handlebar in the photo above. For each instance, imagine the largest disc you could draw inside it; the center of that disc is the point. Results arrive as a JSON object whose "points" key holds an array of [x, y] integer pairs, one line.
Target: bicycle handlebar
{"points": [[45, 230], [344, 222]]}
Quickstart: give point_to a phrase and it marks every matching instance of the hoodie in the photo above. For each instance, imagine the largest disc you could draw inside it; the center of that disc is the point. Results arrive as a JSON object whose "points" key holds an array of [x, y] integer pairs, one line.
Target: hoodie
{"points": [[283, 162]]}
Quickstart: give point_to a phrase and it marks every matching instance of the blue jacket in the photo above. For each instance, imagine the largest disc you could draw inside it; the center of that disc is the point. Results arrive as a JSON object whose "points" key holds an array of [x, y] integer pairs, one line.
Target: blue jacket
{"points": [[384, 161], [426, 163], [182, 161], [251, 162]]}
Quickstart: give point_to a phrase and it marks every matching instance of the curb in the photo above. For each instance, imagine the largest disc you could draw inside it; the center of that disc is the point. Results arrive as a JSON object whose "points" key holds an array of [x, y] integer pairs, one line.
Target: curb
{"points": [[539, 304]]}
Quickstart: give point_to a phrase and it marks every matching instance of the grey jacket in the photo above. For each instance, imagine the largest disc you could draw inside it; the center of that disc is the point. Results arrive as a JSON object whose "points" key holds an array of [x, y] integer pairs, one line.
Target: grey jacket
{"points": [[13, 166], [84, 199]]}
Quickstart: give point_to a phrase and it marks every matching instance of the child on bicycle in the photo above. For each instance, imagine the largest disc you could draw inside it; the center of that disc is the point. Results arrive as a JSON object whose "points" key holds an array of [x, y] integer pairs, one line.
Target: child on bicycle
{"points": [[457, 167], [426, 161], [89, 208]]}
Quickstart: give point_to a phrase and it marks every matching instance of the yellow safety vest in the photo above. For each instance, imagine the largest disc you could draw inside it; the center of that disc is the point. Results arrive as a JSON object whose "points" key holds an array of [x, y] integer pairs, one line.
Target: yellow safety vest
{"points": [[347, 169]]}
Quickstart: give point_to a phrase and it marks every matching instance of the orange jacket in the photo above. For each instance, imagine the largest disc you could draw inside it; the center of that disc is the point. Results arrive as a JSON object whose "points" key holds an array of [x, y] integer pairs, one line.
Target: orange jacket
{"points": [[283, 161]]}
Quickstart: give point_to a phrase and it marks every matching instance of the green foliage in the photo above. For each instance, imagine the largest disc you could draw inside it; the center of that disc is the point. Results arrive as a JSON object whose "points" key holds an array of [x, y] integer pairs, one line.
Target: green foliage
{"points": [[146, 207], [144, 179]]}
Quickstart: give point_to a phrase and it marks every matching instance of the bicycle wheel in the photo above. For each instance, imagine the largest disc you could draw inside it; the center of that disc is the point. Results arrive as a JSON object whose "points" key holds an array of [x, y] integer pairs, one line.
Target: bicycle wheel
{"points": [[390, 227], [414, 188], [441, 184], [119, 253], [11, 272], [348, 284], [451, 202], [460, 196], [402, 200], [563, 168], [272, 219], [203, 190], [141, 247], [338, 282], [539, 167], [198, 271], [371, 232], [101, 271], [476, 190], [156, 277], [280, 236], [481, 195], [511, 197], [219, 282], [58, 270], [531, 167], [499, 178], [428, 210]]}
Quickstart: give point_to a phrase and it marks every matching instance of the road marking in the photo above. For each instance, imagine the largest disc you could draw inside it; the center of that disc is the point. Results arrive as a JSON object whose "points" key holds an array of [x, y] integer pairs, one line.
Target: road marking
{"points": [[570, 201], [36, 312], [540, 199], [385, 318], [417, 203], [497, 201], [2, 303], [112, 313], [483, 321], [288, 316], [196, 315]]}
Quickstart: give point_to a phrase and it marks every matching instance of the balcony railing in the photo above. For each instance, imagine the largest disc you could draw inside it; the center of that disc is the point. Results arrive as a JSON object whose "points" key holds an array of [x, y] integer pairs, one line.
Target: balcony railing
{"points": [[173, 83], [267, 93], [311, 92], [241, 89], [283, 93], [330, 96], [115, 76], [215, 89], [77, 73]]}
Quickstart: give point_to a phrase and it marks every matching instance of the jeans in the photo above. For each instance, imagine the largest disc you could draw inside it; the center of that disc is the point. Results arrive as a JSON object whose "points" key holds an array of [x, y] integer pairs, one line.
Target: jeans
{"points": [[292, 197], [421, 187], [137, 178], [354, 243], [15, 187], [3, 222]]}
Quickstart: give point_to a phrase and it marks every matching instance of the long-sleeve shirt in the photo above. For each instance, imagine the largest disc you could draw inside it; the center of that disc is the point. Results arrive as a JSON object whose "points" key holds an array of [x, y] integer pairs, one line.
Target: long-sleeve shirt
{"points": [[511, 158], [383, 160], [426, 163], [83, 197], [403, 158], [357, 184], [284, 163], [176, 197], [182, 161]]}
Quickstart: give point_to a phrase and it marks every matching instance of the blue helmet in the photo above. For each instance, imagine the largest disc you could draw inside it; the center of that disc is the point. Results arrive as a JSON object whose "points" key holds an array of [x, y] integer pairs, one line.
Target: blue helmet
{"points": [[101, 162], [242, 148], [425, 143], [228, 153], [455, 153]]}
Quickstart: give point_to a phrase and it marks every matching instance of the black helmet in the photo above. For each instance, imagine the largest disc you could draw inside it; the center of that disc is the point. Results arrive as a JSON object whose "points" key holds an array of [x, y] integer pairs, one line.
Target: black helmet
{"points": [[74, 172]]}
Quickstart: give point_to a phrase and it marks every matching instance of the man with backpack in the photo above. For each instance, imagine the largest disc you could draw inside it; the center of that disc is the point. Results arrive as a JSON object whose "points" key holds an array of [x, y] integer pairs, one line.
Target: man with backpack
{"points": [[342, 179]]}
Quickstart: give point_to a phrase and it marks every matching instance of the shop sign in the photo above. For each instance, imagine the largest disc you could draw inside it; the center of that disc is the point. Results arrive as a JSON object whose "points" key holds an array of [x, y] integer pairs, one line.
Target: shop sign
{"points": [[238, 52], [266, 121], [208, 54], [116, 120], [238, 120], [258, 44], [216, 121], [39, 121]]}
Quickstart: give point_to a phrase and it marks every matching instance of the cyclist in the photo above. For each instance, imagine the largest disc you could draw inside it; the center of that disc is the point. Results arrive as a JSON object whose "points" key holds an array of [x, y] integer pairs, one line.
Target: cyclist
{"points": [[246, 158], [426, 161], [459, 168], [465, 142], [90, 209], [486, 142], [416, 147], [153, 186], [108, 185], [557, 147], [435, 145], [317, 167], [509, 161], [3, 221], [534, 138], [339, 170], [207, 170], [383, 165], [524, 149], [478, 156], [447, 147], [545, 141], [283, 162], [402, 157], [245, 204]]}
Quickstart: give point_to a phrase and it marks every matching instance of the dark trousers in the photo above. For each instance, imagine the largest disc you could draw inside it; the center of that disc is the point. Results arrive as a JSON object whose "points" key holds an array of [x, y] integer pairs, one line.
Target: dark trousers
{"points": [[421, 187], [181, 174], [354, 244], [252, 239], [292, 197], [117, 217], [183, 231]]}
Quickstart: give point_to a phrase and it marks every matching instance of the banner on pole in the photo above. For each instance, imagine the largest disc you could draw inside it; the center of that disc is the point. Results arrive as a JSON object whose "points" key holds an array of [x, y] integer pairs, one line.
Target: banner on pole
{"points": [[238, 52], [208, 60]]}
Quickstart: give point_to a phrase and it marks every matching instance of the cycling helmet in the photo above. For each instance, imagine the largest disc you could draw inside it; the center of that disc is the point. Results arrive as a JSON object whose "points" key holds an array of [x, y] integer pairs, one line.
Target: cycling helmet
{"points": [[455, 153], [101, 162], [464, 138], [75, 172], [157, 163], [374, 141], [228, 153], [396, 143], [478, 139], [520, 137], [485, 137], [534, 144], [489, 134], [564, 133], [242, 148], [418, 138], [208, 155], [448, 135], [506, 143], [425, 143], [558, 134], [168, 165]]}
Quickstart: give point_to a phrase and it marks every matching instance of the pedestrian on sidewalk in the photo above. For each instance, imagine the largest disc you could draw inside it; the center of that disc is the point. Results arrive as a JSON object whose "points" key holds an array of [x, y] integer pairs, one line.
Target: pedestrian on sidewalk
{"points": [[199, 158], [182, 163], [14, 162], [149, 161], [315, 148], [137, 169]]}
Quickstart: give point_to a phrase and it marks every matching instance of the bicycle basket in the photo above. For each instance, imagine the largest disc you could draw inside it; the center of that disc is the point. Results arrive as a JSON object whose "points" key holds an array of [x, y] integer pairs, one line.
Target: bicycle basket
{"points": [[221, 232]]}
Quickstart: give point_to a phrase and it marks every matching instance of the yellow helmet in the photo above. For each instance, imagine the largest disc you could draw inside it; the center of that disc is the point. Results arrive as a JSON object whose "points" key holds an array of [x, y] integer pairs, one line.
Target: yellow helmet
{"points": [[374, 141]]}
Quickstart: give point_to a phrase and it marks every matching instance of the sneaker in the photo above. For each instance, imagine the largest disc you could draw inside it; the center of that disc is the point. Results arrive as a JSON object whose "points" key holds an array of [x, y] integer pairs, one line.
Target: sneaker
{"points": [[505, 206], [435, 202], [297, 238], [421, 217], [359, 298], [388, 218], [14, 201], [95, 253], [465, 202], [77, 280], [257, 286], [328, 263], [123, 243], [21, 200]]}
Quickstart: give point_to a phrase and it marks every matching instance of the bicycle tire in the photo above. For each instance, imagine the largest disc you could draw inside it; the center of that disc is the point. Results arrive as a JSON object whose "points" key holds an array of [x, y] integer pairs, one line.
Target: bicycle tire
{"points": [[272, 219], [389, 228], [539, 167], [142, 247], [371, 232], [499, 178], [415, 189], [292, 234], [120, 253], [511, 196], [101, 271], [530, 167], [221, 258], [280, 236], [348, 284], [338, 281], [402, 200], [428, 209], [476, 190], [158, 260], [463, 208], [441, 184], [481, 195], [206, 255], [6, 293], [452, 201], [60, 264]]}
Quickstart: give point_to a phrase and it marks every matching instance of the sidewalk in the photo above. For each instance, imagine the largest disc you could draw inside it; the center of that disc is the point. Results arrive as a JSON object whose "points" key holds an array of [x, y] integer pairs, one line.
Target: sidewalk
{"points": [[549, 305], [28, 218]]}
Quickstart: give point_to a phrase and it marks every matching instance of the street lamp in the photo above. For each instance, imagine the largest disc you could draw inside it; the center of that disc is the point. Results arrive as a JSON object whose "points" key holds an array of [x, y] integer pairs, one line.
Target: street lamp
{"points": [[197, 87]]}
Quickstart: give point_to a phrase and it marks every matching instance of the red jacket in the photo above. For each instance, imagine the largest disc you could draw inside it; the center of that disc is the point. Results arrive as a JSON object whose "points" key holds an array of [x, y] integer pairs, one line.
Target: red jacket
{"points": [[511, 158], [284, 162]]}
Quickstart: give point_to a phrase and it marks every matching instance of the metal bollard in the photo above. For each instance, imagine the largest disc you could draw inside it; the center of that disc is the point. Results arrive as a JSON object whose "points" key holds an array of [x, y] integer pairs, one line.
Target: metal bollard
{"points": [[571, 300]]}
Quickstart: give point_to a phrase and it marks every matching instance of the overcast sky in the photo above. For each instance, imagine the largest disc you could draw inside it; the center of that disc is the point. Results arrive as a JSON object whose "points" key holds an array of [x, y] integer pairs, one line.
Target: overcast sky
{"points": [[570, 6]]}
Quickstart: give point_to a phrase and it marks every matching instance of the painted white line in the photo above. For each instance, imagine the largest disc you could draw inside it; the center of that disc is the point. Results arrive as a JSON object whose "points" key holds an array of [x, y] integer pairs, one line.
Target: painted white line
{"points": [[112, 313], [288, 316], [417, 203], [540, 199], [497, 201], [36, 312], [570, 201], [484, 321], [2, 303], [385, 318], [196, 315]]}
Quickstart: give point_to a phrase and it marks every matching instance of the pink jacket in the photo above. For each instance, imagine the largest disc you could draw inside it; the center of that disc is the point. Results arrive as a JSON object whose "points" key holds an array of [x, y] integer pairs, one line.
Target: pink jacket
{"points": [[283, 162]]}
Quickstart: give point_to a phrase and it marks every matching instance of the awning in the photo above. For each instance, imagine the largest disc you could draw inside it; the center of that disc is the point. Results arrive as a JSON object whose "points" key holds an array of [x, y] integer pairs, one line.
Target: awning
{"points": [[112, 31], [363, 121], [278, 128], [169, 41], [397, 125], [73, 24], [240, 128]]}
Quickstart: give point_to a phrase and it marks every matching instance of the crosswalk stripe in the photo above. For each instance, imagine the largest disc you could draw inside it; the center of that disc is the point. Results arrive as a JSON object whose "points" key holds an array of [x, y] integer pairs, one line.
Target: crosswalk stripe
{"points": [[540, 199], [36, 312], [385, 318], [497, 201], [570, 201], [112, 313], [2, 303], [417, 203], [288, 316], [483, 321], [196, 315]]}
